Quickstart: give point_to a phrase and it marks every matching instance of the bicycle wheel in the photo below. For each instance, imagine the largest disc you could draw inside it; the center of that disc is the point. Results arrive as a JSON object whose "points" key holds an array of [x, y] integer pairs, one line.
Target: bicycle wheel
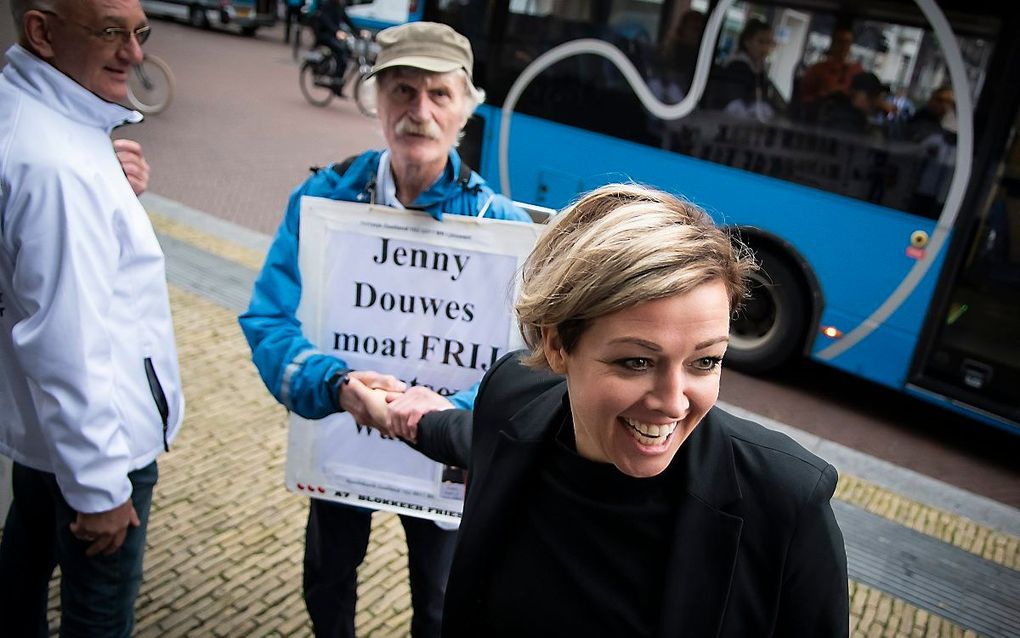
{"points": [[150, 86], [313, 86]]}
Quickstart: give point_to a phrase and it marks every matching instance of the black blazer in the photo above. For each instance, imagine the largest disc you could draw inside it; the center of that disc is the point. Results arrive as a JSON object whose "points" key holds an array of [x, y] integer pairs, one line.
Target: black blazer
{"points": [[757, 552]]}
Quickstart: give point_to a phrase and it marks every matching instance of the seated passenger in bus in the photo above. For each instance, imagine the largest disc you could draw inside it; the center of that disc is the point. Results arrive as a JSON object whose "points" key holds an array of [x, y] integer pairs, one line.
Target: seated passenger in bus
{"points": [[743, 86], [676, 58], [857, 111], [934, 129], [830, 76], [937, 115]]}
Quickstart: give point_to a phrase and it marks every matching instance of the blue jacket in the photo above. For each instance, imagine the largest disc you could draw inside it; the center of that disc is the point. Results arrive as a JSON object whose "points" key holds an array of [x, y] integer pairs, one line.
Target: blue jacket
{"points": [[294, 371]]}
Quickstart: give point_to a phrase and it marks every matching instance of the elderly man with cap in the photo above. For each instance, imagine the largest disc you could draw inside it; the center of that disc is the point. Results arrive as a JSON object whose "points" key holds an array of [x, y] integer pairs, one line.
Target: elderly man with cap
{"points": [[425, 97]]}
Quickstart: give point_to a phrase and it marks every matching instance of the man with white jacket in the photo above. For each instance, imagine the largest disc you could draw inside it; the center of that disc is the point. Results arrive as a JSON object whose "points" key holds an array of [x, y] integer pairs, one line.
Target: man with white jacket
{"points": [[90, 389]]}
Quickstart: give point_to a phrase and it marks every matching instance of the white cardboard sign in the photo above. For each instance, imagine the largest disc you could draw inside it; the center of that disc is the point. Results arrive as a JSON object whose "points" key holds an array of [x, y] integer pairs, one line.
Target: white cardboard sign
{"points": [[400, 293]]}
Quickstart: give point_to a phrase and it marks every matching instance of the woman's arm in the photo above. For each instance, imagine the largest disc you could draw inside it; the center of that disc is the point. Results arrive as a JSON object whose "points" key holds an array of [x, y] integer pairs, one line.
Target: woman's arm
{"points": [[445, 436], [815, 593]]}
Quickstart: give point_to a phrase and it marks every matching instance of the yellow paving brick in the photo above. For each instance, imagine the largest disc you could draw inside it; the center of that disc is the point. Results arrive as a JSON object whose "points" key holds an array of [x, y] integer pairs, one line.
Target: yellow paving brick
{"points": [[993, 545], [228, 250]]}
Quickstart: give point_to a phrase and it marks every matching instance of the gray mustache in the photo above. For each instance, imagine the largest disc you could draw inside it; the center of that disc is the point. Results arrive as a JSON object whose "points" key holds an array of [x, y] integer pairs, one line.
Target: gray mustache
{"points": [[427, 129]]}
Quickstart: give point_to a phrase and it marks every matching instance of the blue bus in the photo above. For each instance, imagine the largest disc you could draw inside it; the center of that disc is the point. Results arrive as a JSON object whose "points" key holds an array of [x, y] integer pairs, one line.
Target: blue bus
{"points": [[866, 151], [380, 14]]}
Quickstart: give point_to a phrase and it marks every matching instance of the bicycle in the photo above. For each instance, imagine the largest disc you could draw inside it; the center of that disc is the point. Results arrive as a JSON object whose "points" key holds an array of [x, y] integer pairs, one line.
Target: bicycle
{"points": [[320, 80], [150, 86]]}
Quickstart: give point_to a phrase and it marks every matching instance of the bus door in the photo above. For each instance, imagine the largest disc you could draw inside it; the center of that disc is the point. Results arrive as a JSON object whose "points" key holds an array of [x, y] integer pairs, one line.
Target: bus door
{"points": [[974, 355]]}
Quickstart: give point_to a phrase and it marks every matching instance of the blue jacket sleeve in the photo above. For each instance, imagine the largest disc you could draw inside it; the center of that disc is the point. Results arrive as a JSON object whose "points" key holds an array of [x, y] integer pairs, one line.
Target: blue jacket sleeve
{"points": [[465, 399], [503, 208], [294, 371]]}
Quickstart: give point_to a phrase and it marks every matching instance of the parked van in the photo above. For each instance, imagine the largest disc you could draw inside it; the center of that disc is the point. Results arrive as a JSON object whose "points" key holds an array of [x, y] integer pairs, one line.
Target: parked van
{"points": [[246, 15]]}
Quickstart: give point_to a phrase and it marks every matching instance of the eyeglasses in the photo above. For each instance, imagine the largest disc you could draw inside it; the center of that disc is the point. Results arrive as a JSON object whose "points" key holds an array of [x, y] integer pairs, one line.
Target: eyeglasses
{"points": [[109, 35]]}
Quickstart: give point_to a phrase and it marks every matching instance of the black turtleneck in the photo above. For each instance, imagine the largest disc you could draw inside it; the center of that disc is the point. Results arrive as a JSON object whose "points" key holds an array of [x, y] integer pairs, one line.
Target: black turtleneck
{"points": [[586, 553]]}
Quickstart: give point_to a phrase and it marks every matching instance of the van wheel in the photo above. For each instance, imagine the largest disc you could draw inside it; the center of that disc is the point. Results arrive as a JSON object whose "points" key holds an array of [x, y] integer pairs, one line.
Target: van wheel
{"points": [[197, 18], [248, 31], [769, 329]]}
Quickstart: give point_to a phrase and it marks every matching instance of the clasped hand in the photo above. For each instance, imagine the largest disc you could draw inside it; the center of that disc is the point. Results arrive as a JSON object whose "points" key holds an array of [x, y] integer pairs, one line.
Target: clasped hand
{"points": [[388, 405]]}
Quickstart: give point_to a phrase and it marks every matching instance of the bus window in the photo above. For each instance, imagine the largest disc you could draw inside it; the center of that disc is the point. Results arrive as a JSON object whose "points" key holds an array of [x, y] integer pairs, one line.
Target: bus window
{"points": [[586, 90], [828, 101], [839, 103], [826, 132], [470, 19]]}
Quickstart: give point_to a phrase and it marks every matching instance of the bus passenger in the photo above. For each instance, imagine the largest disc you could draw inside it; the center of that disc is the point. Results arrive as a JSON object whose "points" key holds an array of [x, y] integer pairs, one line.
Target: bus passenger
{"points": [[425, 96], [934, 130], [938, 115], [607, 495], [747, 90], [831, 75], [858, 110], [677, 57]]}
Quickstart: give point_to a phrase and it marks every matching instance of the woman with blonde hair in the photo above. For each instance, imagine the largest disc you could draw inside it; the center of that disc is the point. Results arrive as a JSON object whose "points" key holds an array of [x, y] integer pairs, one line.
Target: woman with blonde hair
{"points": [[606, 494]]}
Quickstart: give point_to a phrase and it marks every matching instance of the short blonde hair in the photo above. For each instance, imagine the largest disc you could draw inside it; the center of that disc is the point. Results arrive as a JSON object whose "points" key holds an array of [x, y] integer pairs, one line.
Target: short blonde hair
{"points": [[616, 247]]}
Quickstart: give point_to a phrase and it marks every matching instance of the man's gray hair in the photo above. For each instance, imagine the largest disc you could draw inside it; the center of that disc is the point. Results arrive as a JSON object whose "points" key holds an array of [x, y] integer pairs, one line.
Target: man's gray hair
{"points": [[19, 7]]}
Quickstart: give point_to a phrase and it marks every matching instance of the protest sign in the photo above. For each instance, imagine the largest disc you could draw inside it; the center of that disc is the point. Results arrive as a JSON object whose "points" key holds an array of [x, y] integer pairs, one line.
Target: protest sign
{"points": [[401, 293]]}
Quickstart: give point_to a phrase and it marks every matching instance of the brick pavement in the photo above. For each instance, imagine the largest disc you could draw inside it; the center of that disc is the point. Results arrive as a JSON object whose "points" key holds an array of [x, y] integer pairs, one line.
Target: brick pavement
{"points": [[225, 543], [225, 540]]}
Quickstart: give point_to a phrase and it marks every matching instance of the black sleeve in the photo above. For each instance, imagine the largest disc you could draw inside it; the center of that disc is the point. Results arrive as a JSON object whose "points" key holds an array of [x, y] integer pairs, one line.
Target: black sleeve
{"points": [[326, 23], [445, 436], [815, 598]]}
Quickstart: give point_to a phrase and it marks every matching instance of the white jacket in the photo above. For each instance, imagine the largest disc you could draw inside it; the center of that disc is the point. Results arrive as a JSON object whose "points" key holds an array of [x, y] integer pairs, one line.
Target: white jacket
{"points": [[83, 295]]}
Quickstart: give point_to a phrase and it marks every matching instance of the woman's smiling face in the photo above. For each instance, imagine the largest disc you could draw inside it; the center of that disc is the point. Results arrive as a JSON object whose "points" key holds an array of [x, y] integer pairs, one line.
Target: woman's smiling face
{"points": [[642, 378]]}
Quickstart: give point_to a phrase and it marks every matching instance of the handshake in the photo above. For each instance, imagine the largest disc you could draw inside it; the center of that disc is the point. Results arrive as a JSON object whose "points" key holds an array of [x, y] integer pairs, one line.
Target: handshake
{"points": [[383, 402]]}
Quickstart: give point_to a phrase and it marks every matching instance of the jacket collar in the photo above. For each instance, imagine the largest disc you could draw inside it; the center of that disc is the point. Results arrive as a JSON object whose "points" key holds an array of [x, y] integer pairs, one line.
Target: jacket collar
{"points": [[703, 557], [711, 471], [432, 199], [45, 84], [442, 189]]}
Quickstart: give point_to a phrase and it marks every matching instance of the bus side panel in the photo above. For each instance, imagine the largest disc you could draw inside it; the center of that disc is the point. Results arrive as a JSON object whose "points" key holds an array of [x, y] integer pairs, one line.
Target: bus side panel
{"points": [[805, 217], [884, 355]]}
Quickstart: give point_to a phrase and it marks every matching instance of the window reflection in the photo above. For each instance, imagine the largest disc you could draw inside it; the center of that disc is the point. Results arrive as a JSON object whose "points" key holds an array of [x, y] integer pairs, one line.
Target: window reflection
{"points": [[843, 103]]}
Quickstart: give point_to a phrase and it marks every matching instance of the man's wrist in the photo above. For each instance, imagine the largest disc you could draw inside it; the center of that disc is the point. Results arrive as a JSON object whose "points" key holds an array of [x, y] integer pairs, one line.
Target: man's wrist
{"points": [[336, 383]]}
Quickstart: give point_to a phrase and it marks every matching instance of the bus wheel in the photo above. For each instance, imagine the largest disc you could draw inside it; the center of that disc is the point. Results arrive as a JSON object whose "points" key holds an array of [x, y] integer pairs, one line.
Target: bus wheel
{"points": [[196, 17], [769, 330]]}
